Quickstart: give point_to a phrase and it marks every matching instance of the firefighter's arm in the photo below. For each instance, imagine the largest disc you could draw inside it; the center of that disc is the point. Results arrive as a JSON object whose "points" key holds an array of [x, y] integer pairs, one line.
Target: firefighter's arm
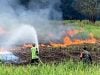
{"points": [[81, 55]]}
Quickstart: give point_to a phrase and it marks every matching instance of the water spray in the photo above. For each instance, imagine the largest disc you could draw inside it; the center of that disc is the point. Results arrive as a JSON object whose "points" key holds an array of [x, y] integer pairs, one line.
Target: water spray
{"points": [[23, 34]]}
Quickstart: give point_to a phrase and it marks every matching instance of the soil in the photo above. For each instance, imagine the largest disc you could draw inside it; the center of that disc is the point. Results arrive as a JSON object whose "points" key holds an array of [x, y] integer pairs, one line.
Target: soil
{"points": [[50, 54], [71, 52]]}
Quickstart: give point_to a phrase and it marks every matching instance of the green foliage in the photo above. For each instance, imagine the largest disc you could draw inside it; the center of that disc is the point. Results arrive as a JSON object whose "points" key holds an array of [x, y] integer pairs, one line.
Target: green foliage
{"points": [[89, 8], [92, 28], [89, 27]]}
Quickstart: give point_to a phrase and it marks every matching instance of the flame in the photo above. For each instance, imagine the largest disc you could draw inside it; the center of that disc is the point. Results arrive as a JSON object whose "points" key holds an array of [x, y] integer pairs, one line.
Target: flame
{"points": [[74, 32], [42, 45], [67, 40], [27, 46]]}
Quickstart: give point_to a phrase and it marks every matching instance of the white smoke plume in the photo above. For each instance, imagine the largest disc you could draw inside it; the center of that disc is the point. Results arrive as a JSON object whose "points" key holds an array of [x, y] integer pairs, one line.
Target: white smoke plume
{"points": [[37, 14]]}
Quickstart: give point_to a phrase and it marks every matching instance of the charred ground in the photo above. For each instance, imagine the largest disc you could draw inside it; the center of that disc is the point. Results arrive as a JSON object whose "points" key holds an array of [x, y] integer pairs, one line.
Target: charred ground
{"points": [[59, 54]]}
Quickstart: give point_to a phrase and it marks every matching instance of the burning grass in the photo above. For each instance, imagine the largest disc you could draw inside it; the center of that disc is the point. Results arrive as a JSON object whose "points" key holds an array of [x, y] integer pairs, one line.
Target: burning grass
{"points": [[68, 46], [59, 55], [73, 37], [49, 54]]}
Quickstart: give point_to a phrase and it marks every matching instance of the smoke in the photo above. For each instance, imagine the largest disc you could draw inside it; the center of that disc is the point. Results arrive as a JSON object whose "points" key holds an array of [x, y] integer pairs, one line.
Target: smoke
{"points": [[38, 13], [20, 36], [8, 57], [12, 12]]}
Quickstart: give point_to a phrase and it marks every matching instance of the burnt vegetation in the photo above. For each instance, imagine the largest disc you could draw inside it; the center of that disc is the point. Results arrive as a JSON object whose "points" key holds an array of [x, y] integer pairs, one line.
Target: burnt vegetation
{"points": [[60, 54], [71, 52]]}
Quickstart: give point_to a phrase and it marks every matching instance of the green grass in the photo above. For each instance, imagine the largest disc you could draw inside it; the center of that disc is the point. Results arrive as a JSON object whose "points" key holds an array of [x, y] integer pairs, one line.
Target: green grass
{"points": [[68, 68], [93, 29], [87, 26], [14, 70]]}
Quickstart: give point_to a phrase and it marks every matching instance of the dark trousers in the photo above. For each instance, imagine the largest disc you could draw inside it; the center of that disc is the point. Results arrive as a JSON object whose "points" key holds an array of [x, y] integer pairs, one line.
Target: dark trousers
{"points": [[87, 60], [35, 60]]}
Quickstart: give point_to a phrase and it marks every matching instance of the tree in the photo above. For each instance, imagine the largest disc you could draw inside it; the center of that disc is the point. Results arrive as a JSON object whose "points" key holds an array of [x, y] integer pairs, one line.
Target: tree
{"points": [[87, 7]]}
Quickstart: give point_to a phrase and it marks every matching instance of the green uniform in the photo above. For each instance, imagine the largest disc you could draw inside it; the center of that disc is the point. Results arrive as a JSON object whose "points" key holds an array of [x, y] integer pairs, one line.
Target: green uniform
{"points": [[34, 53]]}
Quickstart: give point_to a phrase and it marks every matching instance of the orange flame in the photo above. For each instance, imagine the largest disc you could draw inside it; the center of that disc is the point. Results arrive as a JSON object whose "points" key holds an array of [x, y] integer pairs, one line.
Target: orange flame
{"points": [[27, 46], [74, 32], [67, 41]]}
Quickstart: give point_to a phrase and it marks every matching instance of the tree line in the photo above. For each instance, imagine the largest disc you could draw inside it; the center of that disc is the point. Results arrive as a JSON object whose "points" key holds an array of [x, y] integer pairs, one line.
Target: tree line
{"points": [[88, 8], [76, 9]]}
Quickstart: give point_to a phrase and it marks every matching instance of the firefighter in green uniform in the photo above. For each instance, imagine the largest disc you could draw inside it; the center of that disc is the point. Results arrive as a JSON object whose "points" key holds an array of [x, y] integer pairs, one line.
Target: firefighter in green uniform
{"points": [[35, 54]]}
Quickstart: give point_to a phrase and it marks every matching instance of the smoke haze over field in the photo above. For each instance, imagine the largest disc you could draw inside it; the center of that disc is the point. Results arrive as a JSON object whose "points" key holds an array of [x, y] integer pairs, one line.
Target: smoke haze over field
{"points": [[13, 14]]}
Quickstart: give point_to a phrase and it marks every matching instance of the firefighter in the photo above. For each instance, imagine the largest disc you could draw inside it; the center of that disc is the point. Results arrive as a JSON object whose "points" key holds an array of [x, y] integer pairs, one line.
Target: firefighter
{"points": [[85, 56], [35, 54]]}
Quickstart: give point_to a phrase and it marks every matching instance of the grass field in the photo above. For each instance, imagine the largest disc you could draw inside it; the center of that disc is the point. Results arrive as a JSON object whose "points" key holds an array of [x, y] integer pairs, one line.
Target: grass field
{"points": [[68, 68], [87, 26], [65, 69], [91, 28], [14, 70]]}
